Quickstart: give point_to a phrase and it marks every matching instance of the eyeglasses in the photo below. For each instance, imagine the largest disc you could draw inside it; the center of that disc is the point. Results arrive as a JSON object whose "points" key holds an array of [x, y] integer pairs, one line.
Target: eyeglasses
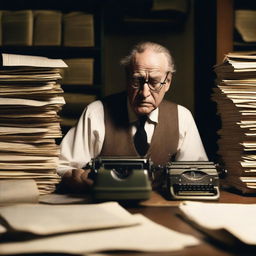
{"points": [[154, 85]]}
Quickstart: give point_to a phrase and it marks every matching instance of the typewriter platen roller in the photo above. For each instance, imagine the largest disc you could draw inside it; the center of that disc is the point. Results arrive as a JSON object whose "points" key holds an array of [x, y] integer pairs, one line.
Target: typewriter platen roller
{"points": [[192, 180]]}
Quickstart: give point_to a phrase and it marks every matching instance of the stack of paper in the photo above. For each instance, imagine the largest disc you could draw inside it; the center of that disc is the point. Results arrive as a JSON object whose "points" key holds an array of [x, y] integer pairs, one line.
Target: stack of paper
{"points": [[13, 191], [235, 96], [232, 224], [30, 99], [82, 229]]}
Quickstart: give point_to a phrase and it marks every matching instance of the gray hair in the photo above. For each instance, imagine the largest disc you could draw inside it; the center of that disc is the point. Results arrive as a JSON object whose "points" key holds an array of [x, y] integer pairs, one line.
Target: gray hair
{"points": [[127, 61]]}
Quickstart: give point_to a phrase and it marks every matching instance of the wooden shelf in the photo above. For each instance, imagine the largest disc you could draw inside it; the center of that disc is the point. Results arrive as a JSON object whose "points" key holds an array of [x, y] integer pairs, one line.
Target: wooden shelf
{"points": [[225, 21], [93, 7]]}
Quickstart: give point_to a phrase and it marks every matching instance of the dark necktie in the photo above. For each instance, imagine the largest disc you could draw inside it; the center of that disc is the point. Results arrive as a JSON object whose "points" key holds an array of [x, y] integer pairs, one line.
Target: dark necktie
{"points": [[140, 137]]}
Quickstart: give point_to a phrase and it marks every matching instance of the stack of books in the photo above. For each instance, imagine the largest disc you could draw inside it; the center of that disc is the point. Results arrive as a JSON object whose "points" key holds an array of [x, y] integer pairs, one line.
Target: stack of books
{"points": [[30, 99], [235, 96], [46, 28]]}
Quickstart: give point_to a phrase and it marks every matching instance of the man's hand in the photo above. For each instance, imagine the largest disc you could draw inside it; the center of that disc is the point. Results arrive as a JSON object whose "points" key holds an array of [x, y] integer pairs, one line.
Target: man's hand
{"points": [[76, 181]]}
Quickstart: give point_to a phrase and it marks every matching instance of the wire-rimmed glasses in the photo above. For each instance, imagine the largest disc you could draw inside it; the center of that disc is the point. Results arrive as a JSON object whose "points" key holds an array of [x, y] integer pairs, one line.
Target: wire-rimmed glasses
{"points": [[153, 84]]}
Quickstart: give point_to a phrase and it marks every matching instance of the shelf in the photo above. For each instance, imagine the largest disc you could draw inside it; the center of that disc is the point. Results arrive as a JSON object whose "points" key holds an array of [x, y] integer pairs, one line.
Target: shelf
{"points": [[88, 89], [54, 51], [242, 46], [63, 52]]}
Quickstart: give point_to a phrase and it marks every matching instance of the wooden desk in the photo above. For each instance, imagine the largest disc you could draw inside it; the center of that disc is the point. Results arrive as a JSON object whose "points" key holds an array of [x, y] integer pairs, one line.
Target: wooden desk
{"points": [[166, 213]]}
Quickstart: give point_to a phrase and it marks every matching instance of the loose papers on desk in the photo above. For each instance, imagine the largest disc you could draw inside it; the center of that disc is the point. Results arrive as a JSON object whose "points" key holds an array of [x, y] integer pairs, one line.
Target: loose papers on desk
{"points": [[228, 223], [57, 219], [18, 191], [84, 229], [30, 100], [235, 96]]}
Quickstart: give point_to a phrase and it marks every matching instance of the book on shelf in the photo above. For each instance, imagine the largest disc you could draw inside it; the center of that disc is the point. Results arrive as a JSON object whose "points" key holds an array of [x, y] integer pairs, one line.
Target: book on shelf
{"points": [[68, 121], [79, 71], [75, 103], [47, 28], [30, 100], [1, 29], [17, 28], [245, 24], [235, 96], [179, 6], [78, 29]]}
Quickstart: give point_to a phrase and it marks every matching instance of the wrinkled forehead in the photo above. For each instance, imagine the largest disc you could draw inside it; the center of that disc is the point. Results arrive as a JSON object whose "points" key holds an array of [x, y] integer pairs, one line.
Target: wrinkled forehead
{"points": [[150, 63]]}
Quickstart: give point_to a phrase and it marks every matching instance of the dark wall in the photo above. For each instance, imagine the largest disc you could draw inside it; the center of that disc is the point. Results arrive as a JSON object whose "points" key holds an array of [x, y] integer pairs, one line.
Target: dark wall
{"points": [[191, 37], [205, 58], [193, 46], [177, 36]]}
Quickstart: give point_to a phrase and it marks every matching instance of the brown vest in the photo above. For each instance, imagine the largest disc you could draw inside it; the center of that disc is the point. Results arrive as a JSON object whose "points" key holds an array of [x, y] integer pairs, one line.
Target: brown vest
{"points": [[118, 139]]}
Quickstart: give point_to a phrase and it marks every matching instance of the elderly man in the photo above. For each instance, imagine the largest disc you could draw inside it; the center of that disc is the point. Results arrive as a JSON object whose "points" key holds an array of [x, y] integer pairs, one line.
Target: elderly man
{"points": [[137, 122]]}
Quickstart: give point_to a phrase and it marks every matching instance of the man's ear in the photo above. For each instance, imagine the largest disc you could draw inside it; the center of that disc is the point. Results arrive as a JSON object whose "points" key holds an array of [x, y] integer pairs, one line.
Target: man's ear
{"points": [[168, 84]]}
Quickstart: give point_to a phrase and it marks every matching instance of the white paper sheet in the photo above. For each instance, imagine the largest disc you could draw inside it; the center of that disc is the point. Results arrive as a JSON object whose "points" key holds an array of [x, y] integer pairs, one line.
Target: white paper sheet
{"points": [[52, 219], [18, 191], [33, 61], [237, 219], [148, 236]]}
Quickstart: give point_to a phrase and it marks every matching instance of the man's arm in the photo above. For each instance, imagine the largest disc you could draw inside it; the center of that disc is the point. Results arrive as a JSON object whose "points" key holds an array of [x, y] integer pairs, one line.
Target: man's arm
{"points": [[190, 146], [82, 143], [76, 181]]}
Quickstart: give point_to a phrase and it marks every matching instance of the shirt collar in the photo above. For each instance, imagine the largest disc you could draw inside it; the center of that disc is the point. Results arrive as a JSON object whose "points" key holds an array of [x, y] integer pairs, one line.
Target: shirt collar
{"points": [[153, 116]]}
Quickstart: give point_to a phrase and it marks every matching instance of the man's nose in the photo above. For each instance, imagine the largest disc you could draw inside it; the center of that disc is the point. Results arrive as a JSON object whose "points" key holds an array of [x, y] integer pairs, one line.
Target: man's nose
{"points": [[144, 90]]}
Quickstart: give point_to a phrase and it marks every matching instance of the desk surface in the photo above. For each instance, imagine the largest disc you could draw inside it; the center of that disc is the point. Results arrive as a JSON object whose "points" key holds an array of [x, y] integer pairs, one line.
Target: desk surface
{"points": [[166, 213]]}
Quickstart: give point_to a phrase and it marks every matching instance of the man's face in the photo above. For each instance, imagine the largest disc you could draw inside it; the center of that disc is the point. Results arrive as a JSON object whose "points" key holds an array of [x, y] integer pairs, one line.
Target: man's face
{"points": [[152, 67]]}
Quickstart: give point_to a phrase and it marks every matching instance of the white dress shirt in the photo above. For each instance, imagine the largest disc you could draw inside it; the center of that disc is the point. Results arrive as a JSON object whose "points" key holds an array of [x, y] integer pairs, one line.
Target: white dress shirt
{"points": [[84, 141]]}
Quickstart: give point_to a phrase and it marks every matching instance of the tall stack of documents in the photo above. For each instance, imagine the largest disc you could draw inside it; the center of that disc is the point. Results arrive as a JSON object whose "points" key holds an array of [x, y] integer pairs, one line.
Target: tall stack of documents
{"points": [[30, 99], [235, 96]]}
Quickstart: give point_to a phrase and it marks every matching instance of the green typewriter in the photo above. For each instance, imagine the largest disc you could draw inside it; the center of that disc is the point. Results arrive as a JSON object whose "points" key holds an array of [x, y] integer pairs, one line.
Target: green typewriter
{"points": [[121, 178]]}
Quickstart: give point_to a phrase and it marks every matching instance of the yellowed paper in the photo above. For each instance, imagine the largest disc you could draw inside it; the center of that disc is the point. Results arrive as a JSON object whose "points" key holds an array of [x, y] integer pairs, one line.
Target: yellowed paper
{"points": [[147, 236], [18, 191]]}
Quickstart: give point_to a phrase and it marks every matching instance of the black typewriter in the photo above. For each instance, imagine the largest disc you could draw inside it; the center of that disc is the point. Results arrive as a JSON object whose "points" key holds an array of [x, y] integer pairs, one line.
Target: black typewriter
{"points": [[196, 180]]}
